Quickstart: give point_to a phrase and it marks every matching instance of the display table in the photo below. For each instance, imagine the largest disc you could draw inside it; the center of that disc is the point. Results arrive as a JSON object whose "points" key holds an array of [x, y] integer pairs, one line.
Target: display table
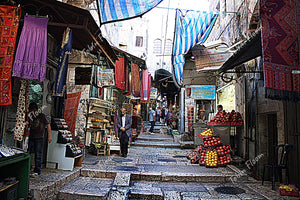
{"points": [[17, 166], [56, 156]]}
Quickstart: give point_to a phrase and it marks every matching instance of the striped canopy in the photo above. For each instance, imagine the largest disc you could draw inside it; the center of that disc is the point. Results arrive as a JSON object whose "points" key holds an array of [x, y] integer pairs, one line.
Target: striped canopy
{"points": [[192, 27], [117, 10]]}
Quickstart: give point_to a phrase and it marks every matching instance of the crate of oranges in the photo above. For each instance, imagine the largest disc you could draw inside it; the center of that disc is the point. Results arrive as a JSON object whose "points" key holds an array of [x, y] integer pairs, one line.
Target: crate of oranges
{"points": [[211, 159]]}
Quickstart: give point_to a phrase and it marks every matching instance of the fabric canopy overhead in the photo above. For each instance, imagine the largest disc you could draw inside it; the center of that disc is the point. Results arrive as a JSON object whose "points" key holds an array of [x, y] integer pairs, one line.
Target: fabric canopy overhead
{"points": [[280, 41], [192, 27], [117, 10]]}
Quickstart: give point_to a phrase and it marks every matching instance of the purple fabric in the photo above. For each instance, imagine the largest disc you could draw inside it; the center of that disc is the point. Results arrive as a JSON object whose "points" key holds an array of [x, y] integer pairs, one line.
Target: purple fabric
{"points": [[31, 54]]}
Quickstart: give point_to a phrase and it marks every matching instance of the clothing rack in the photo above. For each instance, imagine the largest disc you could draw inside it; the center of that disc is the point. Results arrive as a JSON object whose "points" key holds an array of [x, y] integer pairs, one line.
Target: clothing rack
{"points": [[37, 15]]}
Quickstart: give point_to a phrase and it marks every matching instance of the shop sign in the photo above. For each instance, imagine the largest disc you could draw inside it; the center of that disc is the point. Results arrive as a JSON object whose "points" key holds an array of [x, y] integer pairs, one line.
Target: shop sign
{"points": [[153, 93], [205, 92]]}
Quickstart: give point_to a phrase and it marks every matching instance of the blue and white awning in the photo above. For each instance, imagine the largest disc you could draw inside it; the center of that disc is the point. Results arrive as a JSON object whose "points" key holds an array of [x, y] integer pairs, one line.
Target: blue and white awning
{"points": [[192, 27], [117, 10]]}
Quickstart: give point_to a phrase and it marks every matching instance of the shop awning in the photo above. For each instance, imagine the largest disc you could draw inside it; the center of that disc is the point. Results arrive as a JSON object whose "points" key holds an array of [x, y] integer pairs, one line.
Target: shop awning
{"points": [[86, 33], [249, 50]]}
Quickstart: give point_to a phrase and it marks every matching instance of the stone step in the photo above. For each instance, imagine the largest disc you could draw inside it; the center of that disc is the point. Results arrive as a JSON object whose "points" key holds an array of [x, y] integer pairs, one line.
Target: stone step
{"points": [[158, 144], [146, 193], [86, 188], [167, 172], [47, 185], [155, 137]]}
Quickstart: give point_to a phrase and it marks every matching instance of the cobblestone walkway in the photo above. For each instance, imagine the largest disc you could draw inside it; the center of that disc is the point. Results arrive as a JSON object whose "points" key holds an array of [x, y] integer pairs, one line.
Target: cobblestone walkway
{"points": [[149, 172]]}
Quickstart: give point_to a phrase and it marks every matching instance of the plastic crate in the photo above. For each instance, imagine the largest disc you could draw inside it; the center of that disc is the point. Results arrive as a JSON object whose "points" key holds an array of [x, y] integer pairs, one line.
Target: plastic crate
{"points": [[293, 192]]}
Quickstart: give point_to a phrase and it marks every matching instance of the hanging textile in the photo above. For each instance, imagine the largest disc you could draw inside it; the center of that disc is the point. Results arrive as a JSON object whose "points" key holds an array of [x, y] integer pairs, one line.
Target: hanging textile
{"points": [[120, 73], [106, 77], [31, 54], [280, 41], [63, 52], [71, 107], [22, 109], [9, 24], [83, 75], [116, 10], [192, 27], [135, 80], [149, 87], [145, 88]]}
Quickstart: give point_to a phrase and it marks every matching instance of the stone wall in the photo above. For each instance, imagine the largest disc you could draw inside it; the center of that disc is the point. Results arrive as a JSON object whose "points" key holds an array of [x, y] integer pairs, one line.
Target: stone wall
{"points": [[79, 57]]}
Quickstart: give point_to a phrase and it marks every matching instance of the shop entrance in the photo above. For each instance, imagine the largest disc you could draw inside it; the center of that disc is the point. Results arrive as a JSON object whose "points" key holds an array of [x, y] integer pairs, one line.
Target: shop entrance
{"points": [[272, 136]]}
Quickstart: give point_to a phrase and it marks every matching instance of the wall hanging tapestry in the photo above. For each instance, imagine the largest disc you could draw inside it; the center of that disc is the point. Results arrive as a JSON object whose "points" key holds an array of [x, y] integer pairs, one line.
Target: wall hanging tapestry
{"points": [[106, 77], [22, 109], [83, 75], [280, 41], [31, 54], [120, 73], [145, 87], [135, 80], [71, 107], [63, 52], [9, 23]]}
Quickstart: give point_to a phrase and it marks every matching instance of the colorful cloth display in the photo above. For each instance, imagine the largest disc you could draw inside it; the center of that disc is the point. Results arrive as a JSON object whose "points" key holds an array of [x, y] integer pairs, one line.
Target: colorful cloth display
{"points": [[135, 80], [280, 41], [145, 86], [31, 55], [22, 109], [62, 54], [71, 107], [9, 23], [120, 73]]}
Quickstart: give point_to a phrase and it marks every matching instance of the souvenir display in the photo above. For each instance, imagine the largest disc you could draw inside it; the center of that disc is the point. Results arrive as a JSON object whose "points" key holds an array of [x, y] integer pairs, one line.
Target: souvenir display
{"points": [[64, 137], [72, 150], [59, 124], [6, 151]]}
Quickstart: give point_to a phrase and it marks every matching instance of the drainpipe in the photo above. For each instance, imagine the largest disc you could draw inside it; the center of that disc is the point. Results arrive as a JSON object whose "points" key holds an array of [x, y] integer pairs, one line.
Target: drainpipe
{"points": [[182, 104]]}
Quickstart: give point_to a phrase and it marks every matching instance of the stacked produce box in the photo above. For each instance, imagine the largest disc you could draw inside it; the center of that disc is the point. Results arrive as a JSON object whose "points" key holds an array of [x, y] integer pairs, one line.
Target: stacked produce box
{"points": [[227, 119], [213, 153]]}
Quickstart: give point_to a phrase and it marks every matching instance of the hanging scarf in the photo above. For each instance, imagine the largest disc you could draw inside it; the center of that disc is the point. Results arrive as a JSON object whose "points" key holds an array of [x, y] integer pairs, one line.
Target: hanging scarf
{"points": [[135, 80], [120, 73], [63, 53], [22, 109]]}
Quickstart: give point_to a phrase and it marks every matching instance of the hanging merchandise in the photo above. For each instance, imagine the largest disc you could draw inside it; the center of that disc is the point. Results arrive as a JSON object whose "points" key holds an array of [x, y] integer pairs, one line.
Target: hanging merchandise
{"points": [[31, 54], [9, 23], [22, 109], [71, 107], [120, 73], [280, 48], [105, 77], [62, 54], [145, 94], [135, 80]]}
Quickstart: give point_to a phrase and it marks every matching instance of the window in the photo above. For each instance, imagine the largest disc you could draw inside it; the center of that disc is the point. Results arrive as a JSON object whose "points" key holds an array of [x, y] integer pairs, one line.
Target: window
{"points": [[168, 47], [139, 41], [157, 46]]}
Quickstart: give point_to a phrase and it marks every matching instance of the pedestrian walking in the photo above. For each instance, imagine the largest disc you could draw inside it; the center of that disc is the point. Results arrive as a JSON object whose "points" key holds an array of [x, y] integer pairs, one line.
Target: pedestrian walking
{"points": [[152, 120], [163, 115], [37, 125], [158, 113], [124, 125]]}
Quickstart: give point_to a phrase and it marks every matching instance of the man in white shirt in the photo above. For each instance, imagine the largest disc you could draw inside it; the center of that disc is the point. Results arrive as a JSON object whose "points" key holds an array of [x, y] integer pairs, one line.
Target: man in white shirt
{"points": [[124, 126]]}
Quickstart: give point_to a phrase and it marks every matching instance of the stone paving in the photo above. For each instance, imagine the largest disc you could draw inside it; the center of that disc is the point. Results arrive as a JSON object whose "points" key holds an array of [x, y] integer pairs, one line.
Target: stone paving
{"points": [[148, 173]]}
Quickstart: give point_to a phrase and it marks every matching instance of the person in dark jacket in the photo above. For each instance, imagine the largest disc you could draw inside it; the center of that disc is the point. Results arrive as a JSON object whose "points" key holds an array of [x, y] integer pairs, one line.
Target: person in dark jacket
{"points": [[37, 125], [124, 125]]}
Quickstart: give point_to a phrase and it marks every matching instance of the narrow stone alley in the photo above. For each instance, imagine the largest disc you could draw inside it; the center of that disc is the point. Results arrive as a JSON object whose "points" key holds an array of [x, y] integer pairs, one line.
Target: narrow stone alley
{"points": [[156, 168]]}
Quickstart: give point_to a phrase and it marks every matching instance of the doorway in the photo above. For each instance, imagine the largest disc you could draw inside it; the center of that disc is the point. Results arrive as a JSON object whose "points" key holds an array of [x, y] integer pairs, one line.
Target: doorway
{"points": [[272, 136]]}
